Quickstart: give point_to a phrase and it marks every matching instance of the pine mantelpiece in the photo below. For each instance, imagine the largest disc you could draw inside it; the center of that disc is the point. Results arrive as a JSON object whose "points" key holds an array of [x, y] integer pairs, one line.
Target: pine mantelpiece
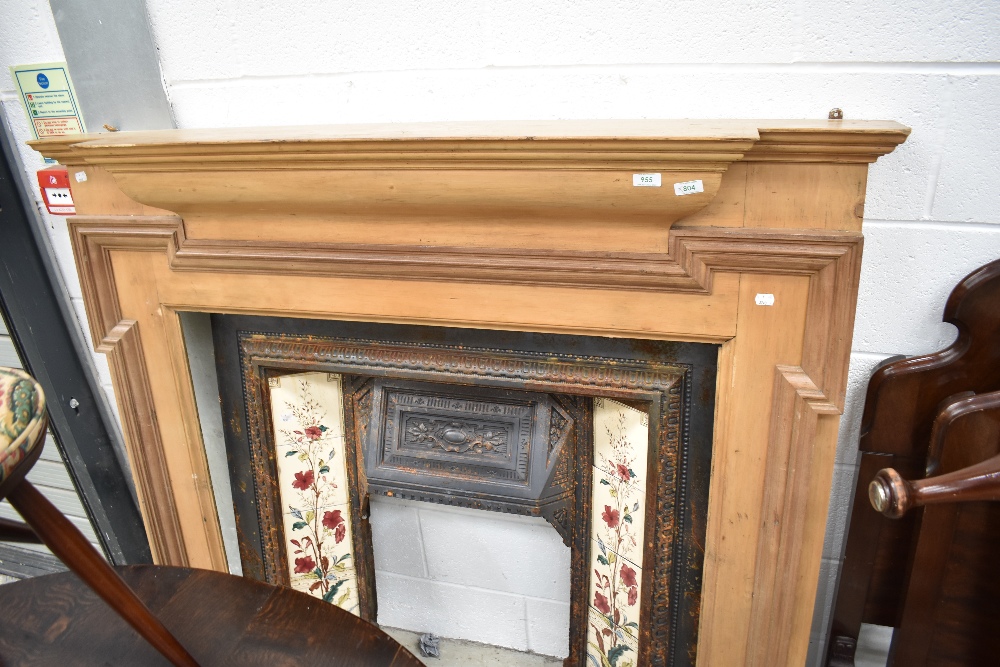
{"points": [[525, 226]]}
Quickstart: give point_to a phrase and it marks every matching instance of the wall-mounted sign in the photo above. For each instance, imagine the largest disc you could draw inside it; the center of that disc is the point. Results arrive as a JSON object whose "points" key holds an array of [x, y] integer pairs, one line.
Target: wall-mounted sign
{"points": [[48, 99]]}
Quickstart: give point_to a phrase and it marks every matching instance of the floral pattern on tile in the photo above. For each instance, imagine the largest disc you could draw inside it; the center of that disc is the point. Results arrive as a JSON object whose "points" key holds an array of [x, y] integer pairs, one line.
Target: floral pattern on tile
{"points": [[322, 567], [307, 410], [610, 646], [621, 443]]}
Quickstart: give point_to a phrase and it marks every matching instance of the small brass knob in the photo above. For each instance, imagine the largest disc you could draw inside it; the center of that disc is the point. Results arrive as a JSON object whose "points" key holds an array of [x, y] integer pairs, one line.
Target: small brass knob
{"points": [[879, 495]]}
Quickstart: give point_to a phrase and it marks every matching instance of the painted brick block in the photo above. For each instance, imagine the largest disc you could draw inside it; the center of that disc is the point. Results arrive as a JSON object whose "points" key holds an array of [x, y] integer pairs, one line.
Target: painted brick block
{"points": [[396, 541], [900, 31], [841, 499], [230, 39], [487, 550], [451, 611], [548, 627], [829, 572], [908, 271], [967, 185], [27, 35]]}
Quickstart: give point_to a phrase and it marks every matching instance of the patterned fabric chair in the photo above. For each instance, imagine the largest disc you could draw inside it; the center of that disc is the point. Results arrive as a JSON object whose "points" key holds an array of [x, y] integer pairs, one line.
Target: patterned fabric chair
{"points": [[22, 425]]}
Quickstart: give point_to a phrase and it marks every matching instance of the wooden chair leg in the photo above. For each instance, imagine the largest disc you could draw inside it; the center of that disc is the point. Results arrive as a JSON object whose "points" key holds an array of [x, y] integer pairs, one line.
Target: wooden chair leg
{"points": [[73, 549], [15, 531]]}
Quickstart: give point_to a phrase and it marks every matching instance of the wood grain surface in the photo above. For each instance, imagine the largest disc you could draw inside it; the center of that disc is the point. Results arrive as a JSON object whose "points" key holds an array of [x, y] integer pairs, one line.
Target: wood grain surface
{"points": [[221, 619]]}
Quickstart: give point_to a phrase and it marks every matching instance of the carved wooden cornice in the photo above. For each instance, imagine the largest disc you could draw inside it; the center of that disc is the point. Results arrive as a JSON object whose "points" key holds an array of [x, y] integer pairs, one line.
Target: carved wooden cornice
{"points": [[694, 253], [841, 142], [458, 171]]}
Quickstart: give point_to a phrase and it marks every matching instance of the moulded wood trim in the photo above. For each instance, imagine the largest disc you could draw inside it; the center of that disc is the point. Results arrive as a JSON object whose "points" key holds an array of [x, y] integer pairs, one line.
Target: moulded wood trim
{"points": [[583, 144], [694, 254], [810, 145], [788, 481], [149, 467], [120, 340]]}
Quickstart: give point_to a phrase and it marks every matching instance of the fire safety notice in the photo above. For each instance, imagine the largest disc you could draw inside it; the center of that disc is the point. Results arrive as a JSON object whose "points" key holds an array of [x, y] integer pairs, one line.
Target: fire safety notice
{"points": [[48, 99]]}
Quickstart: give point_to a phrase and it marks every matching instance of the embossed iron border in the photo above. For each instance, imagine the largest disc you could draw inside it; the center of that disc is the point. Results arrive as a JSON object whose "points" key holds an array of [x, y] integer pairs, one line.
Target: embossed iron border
{"points": [[668, 630]]}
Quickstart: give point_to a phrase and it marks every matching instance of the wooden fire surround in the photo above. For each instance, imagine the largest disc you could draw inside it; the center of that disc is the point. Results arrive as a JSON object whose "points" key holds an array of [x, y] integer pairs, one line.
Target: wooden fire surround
{"points": [[519, 226]]}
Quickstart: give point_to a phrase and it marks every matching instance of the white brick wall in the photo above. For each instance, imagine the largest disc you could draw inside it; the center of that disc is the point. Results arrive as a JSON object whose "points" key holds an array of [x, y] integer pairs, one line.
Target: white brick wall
{"points": [[932, 213], [492, 578]]}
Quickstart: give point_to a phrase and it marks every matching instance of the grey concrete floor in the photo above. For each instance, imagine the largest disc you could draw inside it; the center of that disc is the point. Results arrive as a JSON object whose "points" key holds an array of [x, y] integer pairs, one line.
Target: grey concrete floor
{"points": [[460, 653]]}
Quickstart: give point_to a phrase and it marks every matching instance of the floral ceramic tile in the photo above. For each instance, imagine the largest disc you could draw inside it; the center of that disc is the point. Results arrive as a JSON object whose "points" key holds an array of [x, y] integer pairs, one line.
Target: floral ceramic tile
{"points": [[619, 515], [621, 444], [621, 440], [307, 409], [320, 559], [608, 645], [615, 587]]}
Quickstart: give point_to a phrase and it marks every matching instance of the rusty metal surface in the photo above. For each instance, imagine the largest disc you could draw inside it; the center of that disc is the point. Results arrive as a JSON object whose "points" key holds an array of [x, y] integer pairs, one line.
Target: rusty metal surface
{"points": [[478, 447], [673, 382]]}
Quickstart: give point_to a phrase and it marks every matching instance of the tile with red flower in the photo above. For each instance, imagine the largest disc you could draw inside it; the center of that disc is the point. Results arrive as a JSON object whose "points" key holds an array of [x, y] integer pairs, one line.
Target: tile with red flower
{"points": [[307, 410], [621, 444]]}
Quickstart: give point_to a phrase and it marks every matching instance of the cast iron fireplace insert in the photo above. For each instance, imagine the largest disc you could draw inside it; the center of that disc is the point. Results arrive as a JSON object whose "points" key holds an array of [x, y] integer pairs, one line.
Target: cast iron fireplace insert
{"points": [[608, 439]]}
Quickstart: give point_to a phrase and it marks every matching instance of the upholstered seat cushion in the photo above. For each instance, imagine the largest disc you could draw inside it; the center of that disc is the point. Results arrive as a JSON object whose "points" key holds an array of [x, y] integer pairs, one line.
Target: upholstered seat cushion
{"points": [[22, 417]]}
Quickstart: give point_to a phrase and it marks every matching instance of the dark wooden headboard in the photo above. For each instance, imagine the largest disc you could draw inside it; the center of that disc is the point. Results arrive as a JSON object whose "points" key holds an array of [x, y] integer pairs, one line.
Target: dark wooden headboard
{"points": [[905, 397]]}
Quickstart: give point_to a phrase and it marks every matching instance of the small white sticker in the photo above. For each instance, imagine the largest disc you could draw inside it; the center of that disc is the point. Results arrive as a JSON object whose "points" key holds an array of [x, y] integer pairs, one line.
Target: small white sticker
{"points": [[81, 176], [688, 187], [764, 299], [646, 180]]}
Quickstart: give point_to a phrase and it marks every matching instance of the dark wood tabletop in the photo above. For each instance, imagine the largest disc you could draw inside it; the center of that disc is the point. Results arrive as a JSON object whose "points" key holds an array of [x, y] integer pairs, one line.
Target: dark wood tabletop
{"points": [[221, 619]]}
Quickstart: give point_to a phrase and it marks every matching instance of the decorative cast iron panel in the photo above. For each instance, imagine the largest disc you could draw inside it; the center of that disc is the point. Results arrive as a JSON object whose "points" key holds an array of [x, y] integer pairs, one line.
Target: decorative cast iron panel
{"points": [[424, 430], [468, 446], [554, 378]]}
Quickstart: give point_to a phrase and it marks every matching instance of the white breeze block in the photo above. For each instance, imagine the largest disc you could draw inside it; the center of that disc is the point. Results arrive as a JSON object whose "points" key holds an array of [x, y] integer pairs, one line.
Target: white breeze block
{"points": [[451, 611], [907, 273], [826, 589], [500, 552], [968, 188], [858, 31], [544, 635], [27, 35], [396, 540], [229, 39]]}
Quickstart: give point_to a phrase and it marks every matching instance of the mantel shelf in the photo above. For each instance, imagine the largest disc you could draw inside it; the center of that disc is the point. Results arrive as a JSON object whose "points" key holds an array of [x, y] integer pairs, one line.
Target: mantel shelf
{"points": [[497, 172]]}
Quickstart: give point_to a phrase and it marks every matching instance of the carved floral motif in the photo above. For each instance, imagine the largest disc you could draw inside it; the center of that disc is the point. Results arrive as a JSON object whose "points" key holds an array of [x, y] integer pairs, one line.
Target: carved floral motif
{"points": [[454, 436]]}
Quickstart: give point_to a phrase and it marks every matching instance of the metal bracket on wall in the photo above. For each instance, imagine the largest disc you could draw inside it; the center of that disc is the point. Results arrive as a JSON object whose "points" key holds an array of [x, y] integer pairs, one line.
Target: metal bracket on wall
{"points": [[110, 52]]}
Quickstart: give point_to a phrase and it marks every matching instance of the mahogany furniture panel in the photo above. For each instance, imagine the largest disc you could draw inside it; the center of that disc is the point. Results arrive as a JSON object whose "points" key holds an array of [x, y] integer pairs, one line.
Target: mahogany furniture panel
{"points": [[222, 619], [927, 571], [525, 227]]}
